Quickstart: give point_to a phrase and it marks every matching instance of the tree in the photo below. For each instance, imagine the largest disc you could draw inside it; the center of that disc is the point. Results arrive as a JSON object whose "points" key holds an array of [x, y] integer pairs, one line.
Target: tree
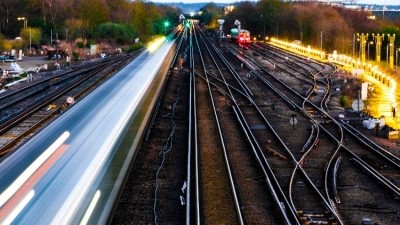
{"points": [[140, 18], [76, 27], [31, 36], [273, 11], [119, 11], [8, 16], [94, 12], [114, 33], [2, 42], [210, 15]]}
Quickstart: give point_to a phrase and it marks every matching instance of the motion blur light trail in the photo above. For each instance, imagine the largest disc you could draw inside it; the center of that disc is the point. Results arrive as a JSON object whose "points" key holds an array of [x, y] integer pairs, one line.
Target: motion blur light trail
{"points": [[155, 45]]}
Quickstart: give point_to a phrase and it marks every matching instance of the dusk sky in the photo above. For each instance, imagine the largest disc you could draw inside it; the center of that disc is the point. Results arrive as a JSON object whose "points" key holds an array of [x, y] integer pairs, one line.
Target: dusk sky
{"points": [[380, 2], [372, 2]]}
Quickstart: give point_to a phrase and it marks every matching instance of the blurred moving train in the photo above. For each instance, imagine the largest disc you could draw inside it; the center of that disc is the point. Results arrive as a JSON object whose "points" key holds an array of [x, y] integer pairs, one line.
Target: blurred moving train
{"points": [[72, 171], [240, 36]]}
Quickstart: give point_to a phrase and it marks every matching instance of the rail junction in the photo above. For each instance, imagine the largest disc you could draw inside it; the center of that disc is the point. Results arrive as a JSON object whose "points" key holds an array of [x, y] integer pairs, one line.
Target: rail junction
{"points": [[264, 145], [240, 136]]}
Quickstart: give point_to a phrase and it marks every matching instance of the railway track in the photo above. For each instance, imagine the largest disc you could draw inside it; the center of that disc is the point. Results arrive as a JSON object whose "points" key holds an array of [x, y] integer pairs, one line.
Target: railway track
{"points": [[249, 116], [261, 144], [332, 130], [238, 137], [26, 109], [218, 197], [161, 185]]}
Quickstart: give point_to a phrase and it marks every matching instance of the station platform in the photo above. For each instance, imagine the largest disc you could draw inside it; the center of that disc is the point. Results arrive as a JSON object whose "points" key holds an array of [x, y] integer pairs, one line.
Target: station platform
{"points": [[382, 102]]}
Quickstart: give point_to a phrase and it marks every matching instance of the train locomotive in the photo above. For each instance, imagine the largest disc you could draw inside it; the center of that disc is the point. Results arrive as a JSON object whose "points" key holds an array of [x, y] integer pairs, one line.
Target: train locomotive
{"points": [[240, 36]]}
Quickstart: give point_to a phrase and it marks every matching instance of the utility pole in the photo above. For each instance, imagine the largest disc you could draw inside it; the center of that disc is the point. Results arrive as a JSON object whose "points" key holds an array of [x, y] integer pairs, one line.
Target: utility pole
{"points": [[363, 41], [354, 45], [57, 48], [321, 39], [391, 50], [30, 42], [378, 39]]}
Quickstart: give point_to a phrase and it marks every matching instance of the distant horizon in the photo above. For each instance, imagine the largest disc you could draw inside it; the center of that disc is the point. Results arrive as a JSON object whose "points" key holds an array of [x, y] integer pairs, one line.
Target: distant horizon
{"points": [[364, 2], [200, 1], [380, 2]]}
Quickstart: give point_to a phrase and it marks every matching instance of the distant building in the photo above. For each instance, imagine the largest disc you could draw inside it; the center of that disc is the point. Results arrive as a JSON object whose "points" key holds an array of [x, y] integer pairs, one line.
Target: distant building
{"points": [[350, 4]]}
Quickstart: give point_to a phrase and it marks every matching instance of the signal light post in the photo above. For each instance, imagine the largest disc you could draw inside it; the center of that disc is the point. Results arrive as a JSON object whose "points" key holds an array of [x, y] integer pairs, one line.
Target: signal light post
{"points": [[166, 24]]}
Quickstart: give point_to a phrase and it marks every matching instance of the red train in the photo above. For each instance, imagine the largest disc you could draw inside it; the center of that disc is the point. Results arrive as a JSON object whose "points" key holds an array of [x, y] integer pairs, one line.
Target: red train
{"points": [[241, 36]]}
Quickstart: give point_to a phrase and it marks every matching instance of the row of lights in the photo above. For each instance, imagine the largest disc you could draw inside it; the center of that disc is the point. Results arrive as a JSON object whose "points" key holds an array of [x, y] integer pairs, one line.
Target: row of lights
{"points": [[310, 51], [338, 58], [346, 60]]}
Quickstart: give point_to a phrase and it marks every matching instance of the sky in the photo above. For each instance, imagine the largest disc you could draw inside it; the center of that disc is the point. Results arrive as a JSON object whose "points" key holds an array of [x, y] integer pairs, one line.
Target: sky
{"points": [[372, 2], [380, 2]]}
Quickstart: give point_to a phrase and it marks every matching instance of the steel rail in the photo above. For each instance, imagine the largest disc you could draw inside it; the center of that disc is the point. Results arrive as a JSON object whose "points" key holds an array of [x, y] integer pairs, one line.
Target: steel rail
{"points": [[273, 184], [298, 166], [227, 164]]}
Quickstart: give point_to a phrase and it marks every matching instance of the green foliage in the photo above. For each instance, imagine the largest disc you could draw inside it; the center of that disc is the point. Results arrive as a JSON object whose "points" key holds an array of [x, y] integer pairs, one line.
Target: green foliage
{"points": [[19, 44], [122, 33], [76, 27], [390, 29], [121, 21], [90, 42], [76, 56], [2, 41], [141, 19], [344, 101], [94, 12], [80, 44], [31, 35], [211, 13], [134, 47]]}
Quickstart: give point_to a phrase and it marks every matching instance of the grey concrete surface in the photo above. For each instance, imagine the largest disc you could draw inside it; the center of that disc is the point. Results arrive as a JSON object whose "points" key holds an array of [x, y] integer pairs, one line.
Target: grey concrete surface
{"points": [[28, 62]]}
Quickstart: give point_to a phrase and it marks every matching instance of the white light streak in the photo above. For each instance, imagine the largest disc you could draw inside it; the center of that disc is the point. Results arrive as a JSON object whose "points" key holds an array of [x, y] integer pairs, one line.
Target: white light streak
{"points": [[90, 209], [16, 185], [10, 218]]}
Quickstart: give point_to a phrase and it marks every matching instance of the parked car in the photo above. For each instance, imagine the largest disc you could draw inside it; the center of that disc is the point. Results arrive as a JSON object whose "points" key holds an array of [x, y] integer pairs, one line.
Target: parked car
{"points": [[11, 58], [3, 58], [7, 58]]}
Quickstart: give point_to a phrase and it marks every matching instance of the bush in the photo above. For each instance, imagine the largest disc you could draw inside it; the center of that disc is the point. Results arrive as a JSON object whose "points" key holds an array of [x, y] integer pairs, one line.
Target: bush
{"points": [[134, 47], [80, 44], [76, 56], [345, 101]]}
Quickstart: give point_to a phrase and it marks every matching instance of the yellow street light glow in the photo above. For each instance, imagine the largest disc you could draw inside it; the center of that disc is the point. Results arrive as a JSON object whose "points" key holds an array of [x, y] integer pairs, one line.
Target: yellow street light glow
{"points": [[153, 46]]}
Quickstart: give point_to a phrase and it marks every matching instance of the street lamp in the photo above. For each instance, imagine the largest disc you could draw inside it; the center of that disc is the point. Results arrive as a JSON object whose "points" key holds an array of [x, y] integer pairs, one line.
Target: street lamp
{"points": [[25, 21], [369, 43], [383, 11], [359, 49]]}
